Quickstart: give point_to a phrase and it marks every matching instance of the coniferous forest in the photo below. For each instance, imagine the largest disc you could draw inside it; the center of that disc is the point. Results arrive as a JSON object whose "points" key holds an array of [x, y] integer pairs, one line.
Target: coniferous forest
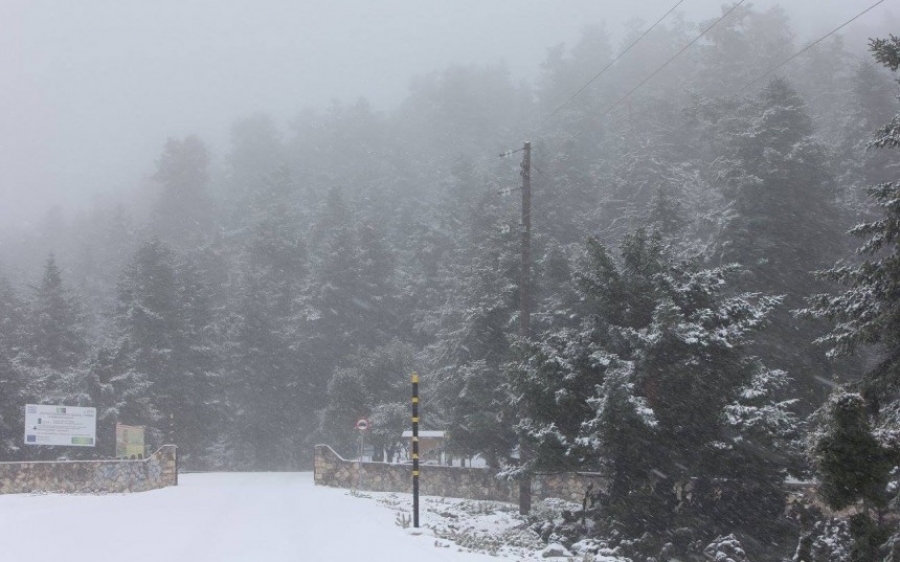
{"points": [[715, 288]]}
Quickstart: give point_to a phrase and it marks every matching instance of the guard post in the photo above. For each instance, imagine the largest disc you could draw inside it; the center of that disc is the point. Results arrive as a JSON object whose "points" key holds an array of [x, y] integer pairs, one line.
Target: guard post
{"points": [[415, 448]]}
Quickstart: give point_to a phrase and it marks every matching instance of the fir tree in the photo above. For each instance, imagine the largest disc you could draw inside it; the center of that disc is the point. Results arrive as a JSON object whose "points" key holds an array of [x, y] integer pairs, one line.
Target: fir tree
{"points": [[353, 293], [57, 339], [858, 448], [374, 386], [271, 387], [472, 341], [852, 464], [785, 224], [182, 215], [56, 349], [12, 374], [162, 315], [655, 389], [867, 313]]}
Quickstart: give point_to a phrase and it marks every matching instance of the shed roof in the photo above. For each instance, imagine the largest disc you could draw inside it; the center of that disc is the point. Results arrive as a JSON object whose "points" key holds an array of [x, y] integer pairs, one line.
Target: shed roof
{"points": [[438, 434]]}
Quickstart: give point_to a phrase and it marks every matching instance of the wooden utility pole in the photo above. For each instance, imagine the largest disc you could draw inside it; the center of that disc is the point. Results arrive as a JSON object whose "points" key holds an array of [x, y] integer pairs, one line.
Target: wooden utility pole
{"points": [[525, 312]]}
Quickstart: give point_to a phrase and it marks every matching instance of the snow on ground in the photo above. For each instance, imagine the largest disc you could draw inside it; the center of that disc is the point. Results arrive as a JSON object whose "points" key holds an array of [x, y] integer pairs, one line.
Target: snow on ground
{"points": [[248, 517]]}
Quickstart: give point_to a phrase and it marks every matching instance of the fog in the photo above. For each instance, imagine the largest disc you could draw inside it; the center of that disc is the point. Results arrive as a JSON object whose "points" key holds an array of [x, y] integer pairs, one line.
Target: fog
{"points": [[92, 89], [243, 228]]}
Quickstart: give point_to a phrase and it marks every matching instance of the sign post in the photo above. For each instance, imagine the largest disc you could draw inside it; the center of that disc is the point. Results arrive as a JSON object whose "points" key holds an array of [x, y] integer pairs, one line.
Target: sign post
{"points": [[129, 441], [415, 448], [362, 425]]}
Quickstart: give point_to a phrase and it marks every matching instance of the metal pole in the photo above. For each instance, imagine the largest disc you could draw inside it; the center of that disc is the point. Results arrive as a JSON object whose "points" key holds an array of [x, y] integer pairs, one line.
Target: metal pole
{"points": [[362, 448], [415, 448], [525, 312], [172, 441]]}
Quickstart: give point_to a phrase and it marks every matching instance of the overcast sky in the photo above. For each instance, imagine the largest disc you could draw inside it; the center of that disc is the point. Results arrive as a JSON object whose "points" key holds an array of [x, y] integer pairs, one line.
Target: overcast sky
{"points": [[90, 89]]}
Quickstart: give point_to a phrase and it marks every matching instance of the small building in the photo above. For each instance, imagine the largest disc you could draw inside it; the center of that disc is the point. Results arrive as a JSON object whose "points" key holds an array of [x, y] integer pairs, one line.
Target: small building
{"points": [[431, 445]]}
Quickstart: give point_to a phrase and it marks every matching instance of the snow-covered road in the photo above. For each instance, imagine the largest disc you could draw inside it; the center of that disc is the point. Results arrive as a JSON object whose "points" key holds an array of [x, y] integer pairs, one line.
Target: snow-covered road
{"points": [[265, 517]]}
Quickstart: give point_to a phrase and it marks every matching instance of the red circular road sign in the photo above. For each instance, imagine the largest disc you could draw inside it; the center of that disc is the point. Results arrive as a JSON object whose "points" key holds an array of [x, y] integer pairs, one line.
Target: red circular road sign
{"points": [[362, 424]]}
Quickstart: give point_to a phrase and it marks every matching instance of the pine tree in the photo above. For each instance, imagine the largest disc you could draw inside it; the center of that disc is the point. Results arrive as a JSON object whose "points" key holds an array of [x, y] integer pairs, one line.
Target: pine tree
{"points": [[57, 340], [271, 389], [12, 374], [472, 340], [353, 288], [56, 350], [858, 450], [867, 312], [256, 152], [374, 386], [654, 388], [851, 463], [745, 44], [162, 315], [785, 224], [183, 213]]}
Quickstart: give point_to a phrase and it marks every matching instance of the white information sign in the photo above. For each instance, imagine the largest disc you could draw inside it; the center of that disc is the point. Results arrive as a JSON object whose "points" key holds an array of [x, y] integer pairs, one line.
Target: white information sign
{"points": [[71, 426]]}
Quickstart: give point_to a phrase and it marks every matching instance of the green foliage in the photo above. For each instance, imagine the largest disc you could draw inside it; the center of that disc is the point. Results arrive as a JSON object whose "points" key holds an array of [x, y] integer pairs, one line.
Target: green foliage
{"points": [[271, 389], [375, 385], [868, 536], [786, 222], [658, 390], [855, 453], [57, 338], [886, 51], [472, 342], [166, 348], [867, 313], [852, 464], [183, 212], [12, 375]]}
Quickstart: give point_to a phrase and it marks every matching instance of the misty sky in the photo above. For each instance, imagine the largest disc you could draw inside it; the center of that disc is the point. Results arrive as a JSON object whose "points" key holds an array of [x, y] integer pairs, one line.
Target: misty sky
{"points": [[90, 89]]}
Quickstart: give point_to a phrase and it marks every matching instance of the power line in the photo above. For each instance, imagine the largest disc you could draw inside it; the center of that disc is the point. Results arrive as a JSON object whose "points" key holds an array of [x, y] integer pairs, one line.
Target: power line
{"points": [[509, 153], [611, 108], [618, 102], [615, 60], [808, 47], [668, 62]]}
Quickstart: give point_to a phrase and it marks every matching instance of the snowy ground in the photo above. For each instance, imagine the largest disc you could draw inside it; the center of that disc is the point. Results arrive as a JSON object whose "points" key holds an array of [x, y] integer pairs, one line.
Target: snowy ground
{"points": [[258, 517]]}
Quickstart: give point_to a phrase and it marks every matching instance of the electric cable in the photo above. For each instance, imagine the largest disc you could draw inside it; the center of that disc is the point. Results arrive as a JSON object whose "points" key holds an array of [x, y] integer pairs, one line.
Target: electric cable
{"points": [[615, 60], [808, 47]]}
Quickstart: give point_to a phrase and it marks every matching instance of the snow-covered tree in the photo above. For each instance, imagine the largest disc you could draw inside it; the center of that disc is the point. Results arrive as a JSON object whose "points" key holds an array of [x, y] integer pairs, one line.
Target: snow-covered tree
{"points": [[785, 224], [183, 213], [375, 386], [471, 344], [858, 447], [57, 339], [353, 292], [256, 153], [657, 387], [851, 463], [867, 313], [12, 374], [163, 320], [271, 386]]}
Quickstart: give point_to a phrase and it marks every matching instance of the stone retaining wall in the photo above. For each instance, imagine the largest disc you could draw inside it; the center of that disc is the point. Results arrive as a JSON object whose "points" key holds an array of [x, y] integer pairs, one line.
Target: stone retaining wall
{"points": [[111, 476], [447, 481]]}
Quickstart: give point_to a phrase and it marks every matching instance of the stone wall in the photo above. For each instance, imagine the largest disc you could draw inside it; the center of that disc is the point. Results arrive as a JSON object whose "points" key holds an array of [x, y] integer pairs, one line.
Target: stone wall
{"points": [[447, 481], [157, 471]]}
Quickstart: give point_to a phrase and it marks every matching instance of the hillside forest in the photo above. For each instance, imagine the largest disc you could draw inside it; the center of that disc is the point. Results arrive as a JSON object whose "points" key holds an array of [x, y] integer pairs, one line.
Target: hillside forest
{"points": [[715, 288]]}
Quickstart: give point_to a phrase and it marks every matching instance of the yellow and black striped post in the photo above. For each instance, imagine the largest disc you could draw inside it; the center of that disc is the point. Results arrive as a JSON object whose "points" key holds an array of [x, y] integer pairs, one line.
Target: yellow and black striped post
{"points": [[415, 448]]}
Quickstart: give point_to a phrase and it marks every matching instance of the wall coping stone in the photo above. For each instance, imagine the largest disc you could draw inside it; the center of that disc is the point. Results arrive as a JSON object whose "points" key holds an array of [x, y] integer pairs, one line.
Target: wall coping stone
{"points": [[330, 469], [93, 475]]}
